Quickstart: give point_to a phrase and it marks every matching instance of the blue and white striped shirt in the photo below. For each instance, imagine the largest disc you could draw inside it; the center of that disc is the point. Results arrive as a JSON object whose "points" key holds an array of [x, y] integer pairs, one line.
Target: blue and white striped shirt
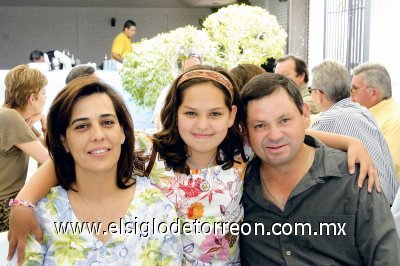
{"points": [[351, 119]]}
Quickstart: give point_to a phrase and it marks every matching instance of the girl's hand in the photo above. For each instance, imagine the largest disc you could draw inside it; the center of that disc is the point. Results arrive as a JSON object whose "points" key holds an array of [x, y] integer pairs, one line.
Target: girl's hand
{"points": [[22, 221], [358, 154]]}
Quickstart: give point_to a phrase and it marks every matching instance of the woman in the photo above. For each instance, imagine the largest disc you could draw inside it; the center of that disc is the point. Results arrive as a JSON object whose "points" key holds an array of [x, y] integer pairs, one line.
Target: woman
{"points": [[90, 139], [23, 105]]}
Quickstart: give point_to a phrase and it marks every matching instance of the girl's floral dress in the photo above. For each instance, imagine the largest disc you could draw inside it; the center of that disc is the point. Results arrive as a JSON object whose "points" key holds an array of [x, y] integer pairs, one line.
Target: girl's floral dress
{"points": [[209, 196], [132, 248]]}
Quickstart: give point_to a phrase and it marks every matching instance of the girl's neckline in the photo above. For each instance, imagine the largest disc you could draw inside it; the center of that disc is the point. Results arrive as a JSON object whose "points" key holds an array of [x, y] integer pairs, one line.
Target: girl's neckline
{"points": [[199, 171], [197, 167]]}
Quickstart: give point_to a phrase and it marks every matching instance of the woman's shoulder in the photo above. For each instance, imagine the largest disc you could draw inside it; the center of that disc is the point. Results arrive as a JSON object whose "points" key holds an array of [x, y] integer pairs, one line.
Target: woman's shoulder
{"points": [[149, 193], [150, 203], [55, 193], [7, 111], [14, 125], [54, 203], [9, 114]]}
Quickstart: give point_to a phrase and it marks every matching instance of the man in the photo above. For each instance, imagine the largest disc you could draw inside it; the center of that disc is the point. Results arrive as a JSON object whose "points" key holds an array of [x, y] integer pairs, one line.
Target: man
{"points": [[37, 56], [295, 68], [39, 60], [372, 88], [122, 43], [80, 71], [330, 90], [297, 188]]}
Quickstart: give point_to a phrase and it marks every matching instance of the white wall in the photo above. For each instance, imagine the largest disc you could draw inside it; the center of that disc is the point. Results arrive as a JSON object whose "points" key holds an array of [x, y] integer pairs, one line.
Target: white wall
{"points": [[86, 32], [260, 3], [385, 39], [316, 33], [280, 10]]}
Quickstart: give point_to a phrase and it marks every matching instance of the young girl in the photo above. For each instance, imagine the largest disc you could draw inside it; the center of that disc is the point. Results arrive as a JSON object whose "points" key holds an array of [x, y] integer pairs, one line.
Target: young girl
{"points": [[200, 163], [197, 160]]}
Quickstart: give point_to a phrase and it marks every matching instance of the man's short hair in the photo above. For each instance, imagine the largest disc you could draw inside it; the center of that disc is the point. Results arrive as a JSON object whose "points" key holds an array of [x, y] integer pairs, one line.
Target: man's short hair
{"points": [[35, 55], [266, 84], [333, 79], [129, 23], [377, 76], [79, 71], [300, 65]]}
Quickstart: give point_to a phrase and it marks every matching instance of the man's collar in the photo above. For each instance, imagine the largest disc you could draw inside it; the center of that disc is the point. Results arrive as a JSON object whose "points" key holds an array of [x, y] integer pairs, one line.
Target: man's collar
{"points": [[319, 168], [381, 105], [320, 171]]}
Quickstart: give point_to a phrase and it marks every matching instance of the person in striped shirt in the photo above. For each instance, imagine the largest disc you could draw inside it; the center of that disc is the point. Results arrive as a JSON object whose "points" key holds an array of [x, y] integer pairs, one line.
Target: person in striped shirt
{"points": [[330, 91]]}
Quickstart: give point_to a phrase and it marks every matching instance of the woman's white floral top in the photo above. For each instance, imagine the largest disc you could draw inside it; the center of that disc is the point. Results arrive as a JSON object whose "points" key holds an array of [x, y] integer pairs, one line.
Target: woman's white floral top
{"points": [[148, 206]]}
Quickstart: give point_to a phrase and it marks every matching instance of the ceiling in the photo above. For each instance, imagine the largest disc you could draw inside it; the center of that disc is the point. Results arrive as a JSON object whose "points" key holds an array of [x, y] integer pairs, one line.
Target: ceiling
{"points": [[118, 3]]}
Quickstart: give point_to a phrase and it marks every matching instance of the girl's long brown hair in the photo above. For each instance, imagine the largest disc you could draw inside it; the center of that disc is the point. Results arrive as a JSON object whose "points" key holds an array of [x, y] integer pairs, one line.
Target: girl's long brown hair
{"points": [[169, 143]]}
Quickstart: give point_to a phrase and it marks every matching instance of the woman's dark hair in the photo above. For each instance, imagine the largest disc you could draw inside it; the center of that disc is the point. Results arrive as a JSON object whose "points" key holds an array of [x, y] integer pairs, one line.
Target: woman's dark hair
{"points": [[59, 118], [169, 143], [243, 73]]}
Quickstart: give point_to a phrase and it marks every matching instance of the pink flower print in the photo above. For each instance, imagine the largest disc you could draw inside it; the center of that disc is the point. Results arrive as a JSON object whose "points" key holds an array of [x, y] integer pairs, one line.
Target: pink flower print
{"points": [[215, 247], [192, 189]]}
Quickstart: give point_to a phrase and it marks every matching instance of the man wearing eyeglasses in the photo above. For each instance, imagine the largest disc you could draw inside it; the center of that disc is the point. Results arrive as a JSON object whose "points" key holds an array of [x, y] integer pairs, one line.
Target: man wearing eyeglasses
{"points": [[330, 91], [371, 87]]}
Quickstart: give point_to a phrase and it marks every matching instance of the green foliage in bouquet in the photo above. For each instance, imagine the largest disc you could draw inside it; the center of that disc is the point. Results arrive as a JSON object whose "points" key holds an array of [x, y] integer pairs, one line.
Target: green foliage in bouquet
{"points": [[153, 63], [235, 34]]}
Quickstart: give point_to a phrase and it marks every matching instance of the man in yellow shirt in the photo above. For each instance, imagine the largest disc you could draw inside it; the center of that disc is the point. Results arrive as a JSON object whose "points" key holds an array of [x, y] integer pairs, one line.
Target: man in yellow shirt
{"points": [[371, 87], [122, 43]]}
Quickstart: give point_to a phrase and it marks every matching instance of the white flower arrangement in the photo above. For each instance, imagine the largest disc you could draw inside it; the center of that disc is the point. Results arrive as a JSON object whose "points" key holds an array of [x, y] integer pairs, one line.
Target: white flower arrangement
{"points": [[245, 34], [235, 34]]}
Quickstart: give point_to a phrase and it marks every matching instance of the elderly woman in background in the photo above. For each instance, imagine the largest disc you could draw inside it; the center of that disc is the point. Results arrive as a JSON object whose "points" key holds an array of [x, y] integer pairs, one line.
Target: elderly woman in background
{"points": [[23, 105]]}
